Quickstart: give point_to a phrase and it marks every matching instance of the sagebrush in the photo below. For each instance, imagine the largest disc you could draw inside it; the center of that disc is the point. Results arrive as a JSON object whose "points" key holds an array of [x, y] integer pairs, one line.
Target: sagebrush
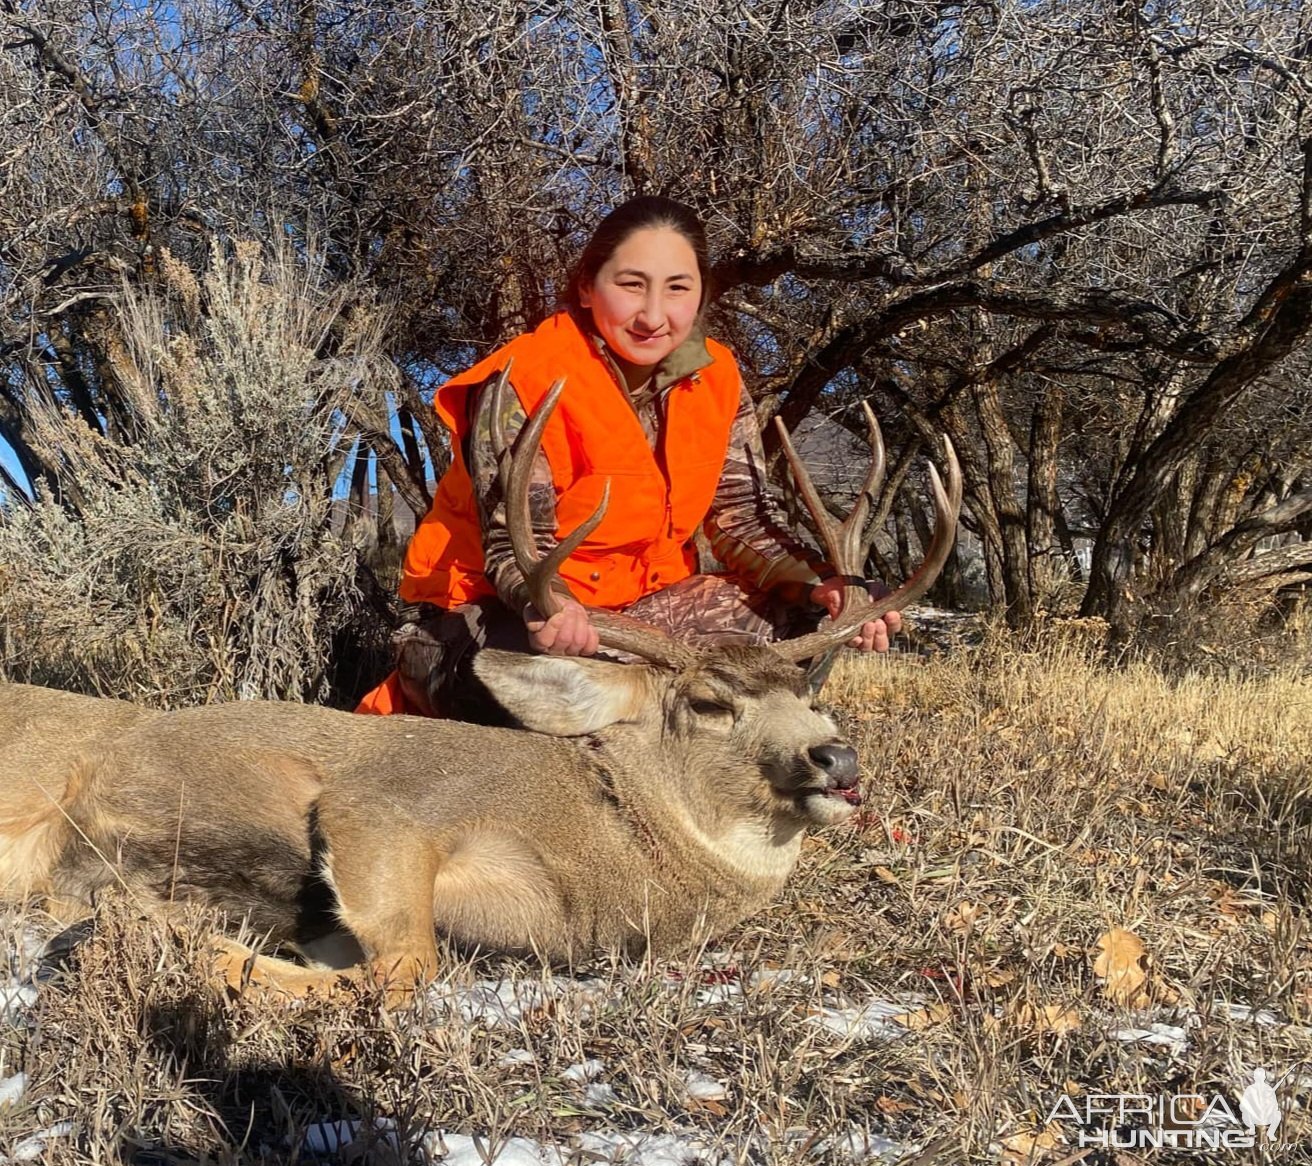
{"points": [[190, 553]]}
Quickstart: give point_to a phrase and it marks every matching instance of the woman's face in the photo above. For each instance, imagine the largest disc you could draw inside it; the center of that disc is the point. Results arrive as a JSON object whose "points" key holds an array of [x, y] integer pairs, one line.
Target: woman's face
{"points": [[645, 298]]}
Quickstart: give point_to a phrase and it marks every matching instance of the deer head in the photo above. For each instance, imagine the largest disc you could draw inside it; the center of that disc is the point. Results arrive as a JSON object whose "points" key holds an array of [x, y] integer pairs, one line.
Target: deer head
{"points": [[713, 727], [740, 708]]}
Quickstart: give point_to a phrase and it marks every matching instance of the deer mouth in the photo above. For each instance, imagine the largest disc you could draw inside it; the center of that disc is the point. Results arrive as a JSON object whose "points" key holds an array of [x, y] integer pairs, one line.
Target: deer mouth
{"points": [[833, 793], [827, 804]]}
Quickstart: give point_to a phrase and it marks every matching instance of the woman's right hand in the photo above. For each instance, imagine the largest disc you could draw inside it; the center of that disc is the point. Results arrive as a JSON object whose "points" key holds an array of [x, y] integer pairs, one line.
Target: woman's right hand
{"points": [[567, 633]]}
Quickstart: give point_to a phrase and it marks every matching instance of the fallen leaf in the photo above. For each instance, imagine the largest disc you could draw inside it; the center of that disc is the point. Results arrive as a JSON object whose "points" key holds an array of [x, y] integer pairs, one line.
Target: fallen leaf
{"points": [[998, 977], [884, 875], [1048, 1018], [964, 916], [1036, 1019], [923, 1018], [1026, 1147], [1122, 966]]}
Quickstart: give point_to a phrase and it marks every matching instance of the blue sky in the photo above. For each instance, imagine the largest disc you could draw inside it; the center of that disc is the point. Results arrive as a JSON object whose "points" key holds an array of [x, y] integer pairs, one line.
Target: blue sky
{"points": [[10, 463]]}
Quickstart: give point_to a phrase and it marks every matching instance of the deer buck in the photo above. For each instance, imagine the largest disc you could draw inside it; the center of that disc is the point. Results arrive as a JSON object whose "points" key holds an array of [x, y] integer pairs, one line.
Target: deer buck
{"points": [[640, 804]]}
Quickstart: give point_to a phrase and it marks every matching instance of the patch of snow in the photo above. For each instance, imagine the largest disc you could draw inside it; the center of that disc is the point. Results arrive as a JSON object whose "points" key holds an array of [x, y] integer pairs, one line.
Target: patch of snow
{"points": [[462, 1150], [631, 1149], [504, 1002], [723, 991], [700, 1087], [1263, 1017], [1168, 1035], [33, 1147], [15, 999], [583, 1072], [860, 1146], [872, 1021], [329, 1137], [719, 993], [517, 1057], [13, 1088], [599, 1095]]}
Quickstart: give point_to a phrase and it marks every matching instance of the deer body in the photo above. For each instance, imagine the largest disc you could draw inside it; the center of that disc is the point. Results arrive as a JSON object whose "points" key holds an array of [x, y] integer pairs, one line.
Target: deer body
{"points": [[649, 823], [641, 804]]}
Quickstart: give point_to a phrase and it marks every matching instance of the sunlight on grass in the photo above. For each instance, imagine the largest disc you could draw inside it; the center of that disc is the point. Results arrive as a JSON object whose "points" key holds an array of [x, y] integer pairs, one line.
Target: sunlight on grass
{"points": [[1066, 879]]}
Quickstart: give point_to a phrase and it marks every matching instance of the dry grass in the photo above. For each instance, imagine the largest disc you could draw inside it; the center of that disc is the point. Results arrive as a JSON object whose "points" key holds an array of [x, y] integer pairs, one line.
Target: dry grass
{"points": [[1021, 804]]}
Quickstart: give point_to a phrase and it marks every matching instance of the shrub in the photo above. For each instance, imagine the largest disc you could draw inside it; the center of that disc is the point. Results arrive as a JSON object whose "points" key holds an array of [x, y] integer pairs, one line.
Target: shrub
{"points": [[188, 552]]}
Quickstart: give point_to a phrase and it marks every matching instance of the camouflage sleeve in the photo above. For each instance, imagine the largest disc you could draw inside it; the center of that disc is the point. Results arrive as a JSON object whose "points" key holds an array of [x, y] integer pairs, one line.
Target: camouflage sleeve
{"points": [[746, 527], [498, 558]]}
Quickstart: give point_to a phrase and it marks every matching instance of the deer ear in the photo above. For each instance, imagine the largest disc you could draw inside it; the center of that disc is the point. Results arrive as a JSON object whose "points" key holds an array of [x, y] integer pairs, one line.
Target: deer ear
{"points": [[565, 696]]}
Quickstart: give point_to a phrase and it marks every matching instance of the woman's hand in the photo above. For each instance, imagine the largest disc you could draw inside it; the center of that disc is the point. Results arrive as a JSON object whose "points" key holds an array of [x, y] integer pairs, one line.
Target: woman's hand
{"points": [[567, 633], [874, 634]]}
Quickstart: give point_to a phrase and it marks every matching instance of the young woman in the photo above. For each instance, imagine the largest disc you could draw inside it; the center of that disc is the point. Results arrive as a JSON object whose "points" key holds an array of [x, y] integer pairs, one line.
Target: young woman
{"points": [[658, 409]]}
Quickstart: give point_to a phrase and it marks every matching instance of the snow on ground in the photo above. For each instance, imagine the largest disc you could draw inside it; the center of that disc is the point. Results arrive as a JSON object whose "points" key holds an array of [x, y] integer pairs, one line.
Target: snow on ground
{"points": [[871, 1021], [853, 1147], [504, 1003], [12, 1089], [32, 1147]]}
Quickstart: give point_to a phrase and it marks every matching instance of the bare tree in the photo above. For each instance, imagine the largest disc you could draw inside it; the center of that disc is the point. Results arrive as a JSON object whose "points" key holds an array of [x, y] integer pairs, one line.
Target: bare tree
{"points": [[1073, 236]]}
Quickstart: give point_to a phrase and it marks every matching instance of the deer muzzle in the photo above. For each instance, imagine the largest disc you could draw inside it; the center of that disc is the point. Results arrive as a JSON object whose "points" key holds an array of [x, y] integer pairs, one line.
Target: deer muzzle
{"points": [[838, 764]]}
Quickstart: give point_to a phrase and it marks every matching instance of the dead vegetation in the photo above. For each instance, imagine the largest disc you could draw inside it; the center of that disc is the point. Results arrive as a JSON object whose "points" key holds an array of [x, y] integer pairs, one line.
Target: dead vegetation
{"points": [[1068, 880], [189, 553]]}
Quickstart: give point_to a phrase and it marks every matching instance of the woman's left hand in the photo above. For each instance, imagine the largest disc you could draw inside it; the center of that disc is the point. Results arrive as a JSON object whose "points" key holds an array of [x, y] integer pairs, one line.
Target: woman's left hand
{"points": [[874, 634]]}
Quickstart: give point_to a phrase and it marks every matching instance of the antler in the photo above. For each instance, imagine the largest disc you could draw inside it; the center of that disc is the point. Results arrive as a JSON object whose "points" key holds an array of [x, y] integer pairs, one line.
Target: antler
{"points": [[845, 543], [515, 469]]}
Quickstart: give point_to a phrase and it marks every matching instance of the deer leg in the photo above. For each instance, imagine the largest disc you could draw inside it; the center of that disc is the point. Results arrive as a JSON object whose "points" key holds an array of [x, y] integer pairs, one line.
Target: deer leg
{"points": [[384, 891], [244, 971]]}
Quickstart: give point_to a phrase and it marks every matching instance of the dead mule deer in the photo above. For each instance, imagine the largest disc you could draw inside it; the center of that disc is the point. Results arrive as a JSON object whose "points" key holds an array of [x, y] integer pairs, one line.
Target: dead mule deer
{"points": [[641, 804]]}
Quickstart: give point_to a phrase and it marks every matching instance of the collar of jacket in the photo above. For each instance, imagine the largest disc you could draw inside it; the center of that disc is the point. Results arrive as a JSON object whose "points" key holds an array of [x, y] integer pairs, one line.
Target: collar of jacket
{"points": [[691, 356]]}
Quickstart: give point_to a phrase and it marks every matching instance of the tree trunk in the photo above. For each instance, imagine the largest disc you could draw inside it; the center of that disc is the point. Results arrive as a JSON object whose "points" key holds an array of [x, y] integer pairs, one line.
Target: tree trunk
{"points": [[1010, 523], [1046, 568], [1281, 319]]}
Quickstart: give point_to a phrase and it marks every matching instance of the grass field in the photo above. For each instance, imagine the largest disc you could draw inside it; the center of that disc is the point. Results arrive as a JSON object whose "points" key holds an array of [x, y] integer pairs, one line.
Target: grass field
{"points": [[1067, 883]]}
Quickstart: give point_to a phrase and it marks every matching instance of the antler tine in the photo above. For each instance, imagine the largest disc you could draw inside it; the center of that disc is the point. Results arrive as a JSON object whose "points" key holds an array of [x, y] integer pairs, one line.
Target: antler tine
{"points": [[831, 534], [496, 398], [844, 542], [947, 509], [515, 469], [854, 527]]}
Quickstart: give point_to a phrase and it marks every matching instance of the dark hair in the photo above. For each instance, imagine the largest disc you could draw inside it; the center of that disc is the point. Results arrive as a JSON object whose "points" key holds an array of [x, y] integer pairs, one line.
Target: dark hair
{"points": [[639, 214]]}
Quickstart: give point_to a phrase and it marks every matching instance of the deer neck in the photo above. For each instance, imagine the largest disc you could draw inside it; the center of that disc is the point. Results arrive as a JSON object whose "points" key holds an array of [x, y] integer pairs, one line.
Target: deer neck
{"points": [[688, 815]]}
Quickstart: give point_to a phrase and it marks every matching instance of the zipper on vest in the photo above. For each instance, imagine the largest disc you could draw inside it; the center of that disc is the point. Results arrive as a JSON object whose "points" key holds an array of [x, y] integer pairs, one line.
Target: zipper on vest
{"points": [[662, 433]]}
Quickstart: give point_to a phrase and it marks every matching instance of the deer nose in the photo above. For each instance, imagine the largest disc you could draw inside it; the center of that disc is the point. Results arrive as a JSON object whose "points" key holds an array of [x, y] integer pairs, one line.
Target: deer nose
{"points": [[838, 762]]}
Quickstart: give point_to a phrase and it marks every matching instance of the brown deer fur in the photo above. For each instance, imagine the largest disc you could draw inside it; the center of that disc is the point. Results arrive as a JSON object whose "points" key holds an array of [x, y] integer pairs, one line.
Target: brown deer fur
{"points": [[640, 804]]}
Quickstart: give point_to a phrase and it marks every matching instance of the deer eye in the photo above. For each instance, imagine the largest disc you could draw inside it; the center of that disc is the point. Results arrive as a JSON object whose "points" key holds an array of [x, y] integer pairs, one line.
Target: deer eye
{"points": [[710, 708]]}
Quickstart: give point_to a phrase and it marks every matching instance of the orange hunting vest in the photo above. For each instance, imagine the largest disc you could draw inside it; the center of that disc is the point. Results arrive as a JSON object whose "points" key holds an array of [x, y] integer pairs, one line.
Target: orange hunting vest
{"points": [[657, 498]]}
